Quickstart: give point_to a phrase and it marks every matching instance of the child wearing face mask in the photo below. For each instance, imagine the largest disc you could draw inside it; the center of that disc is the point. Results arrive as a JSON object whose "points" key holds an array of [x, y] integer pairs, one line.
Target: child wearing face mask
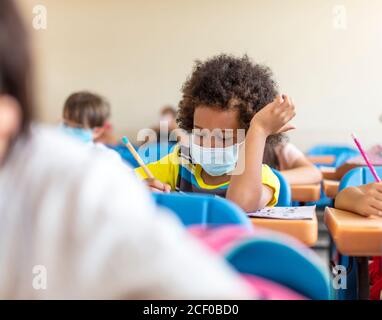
{"points": [[85, 118], [227, 101]]}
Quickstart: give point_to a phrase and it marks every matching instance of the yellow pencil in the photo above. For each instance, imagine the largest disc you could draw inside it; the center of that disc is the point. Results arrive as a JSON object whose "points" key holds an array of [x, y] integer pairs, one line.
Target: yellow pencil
{"points": [[136, 156]]}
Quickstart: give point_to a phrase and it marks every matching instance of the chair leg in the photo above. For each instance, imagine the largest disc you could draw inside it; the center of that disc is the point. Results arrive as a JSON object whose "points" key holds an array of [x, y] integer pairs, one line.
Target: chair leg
{"points": [[363, 282]]}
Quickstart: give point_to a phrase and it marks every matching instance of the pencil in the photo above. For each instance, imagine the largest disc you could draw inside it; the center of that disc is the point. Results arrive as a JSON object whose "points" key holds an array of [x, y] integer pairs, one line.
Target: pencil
{"points": [[137, 157], [365, 157]]}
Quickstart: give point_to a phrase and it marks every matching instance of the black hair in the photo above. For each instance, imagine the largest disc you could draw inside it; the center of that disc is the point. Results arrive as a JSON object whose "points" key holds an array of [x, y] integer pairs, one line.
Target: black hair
{"points": [[15, 61], [227, 82]]}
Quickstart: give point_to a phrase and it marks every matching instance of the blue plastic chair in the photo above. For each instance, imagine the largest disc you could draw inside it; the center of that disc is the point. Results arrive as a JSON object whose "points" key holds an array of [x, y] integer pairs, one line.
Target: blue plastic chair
{"points": [[358, 176], [125, 154], [285, 196], [341, 152], [354, 178], [200, 209], [274, 259]]}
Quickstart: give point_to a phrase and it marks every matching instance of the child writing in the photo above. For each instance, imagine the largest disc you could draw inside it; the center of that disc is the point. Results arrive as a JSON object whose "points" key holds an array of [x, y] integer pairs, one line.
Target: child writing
{"points": [[291, 162], [365, 200], [224, 97], [85, 117]]}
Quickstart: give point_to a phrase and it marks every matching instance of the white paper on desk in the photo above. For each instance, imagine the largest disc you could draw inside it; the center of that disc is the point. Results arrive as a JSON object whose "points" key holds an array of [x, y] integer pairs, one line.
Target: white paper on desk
{"points": [[285, 213]]}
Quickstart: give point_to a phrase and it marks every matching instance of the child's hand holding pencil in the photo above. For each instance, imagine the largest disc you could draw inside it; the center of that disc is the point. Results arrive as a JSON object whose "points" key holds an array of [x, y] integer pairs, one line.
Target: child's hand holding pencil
{"points": [[154, 184], [157, 186]]}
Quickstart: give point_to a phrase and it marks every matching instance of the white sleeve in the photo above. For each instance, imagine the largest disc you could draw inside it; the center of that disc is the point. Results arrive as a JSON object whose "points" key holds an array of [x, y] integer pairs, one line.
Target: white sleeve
{"points": [[122, 246]]}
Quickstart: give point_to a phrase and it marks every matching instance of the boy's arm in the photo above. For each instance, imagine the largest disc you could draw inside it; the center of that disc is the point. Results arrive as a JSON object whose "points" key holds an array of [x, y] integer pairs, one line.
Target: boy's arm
{"points": [[303, 172], [365, 200], [246, 188]]}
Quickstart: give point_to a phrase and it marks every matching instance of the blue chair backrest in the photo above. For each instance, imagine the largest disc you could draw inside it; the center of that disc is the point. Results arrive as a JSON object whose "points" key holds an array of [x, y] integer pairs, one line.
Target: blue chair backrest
{"points": [[273, 258], [155, 151], [207, 210], [358, 176], [285, 197], [341, 152], [125, 154]]}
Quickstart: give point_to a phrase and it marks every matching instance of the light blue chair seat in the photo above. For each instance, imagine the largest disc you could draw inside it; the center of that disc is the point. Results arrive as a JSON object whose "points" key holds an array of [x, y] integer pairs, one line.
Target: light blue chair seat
{"points": [[273, 259], [277, 259], [201, 209]]}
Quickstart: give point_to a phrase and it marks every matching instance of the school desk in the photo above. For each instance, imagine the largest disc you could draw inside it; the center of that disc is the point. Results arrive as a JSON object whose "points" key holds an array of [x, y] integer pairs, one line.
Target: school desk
{"points": [[329, 173], [329, 159], [331, 188], [356, 236], [306, 192], [304, 230], [345, 168]]}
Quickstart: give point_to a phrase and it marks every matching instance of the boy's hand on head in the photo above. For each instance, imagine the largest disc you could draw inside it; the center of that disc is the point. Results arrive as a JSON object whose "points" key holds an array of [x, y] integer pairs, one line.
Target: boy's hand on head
{"points": [[157, 186], [274, 118], [370, 202]]}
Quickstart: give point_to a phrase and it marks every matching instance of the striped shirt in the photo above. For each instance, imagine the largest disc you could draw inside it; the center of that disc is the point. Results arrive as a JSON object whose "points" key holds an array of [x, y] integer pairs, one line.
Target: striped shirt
{"points": [[178, 170]]}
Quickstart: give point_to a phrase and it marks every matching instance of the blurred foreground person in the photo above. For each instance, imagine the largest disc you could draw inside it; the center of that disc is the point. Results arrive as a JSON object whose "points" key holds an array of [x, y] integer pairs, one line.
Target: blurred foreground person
{"points": [[77, 226]]}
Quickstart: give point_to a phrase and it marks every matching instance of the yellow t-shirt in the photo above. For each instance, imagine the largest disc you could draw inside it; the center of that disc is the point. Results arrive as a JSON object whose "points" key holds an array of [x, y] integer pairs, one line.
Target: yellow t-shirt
{"points": [[182, 175]]}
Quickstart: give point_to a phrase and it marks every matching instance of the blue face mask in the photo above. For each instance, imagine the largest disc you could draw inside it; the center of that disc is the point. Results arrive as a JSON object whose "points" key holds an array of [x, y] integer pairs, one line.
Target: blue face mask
{"points": [[84, 135], [215, 161]]}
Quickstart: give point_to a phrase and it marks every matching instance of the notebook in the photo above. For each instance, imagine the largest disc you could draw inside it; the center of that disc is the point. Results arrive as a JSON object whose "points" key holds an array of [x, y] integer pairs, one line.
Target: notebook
{"points": [[285, 213]]}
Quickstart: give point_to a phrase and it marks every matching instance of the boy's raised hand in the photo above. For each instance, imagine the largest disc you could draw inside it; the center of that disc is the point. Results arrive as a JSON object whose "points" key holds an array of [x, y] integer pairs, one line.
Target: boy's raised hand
{"points": [[158, 186], [274, 118]]}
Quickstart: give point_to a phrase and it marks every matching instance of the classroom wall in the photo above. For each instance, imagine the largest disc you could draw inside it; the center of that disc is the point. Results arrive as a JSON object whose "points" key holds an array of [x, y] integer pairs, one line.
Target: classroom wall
{"points": [[138, 53]]}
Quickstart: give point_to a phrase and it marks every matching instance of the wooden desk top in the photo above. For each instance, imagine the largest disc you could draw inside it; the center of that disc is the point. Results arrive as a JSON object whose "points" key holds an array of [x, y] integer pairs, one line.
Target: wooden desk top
{"points": [[355, 235], [329, 173], [321, 159], [306, 192], [304, 230], [331, 188]]}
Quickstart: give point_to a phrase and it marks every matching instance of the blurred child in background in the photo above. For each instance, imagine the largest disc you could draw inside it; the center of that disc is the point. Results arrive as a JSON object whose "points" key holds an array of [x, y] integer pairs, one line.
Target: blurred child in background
{"points": [[167, 130], [85, 117], [108, 137], [291, 162]]}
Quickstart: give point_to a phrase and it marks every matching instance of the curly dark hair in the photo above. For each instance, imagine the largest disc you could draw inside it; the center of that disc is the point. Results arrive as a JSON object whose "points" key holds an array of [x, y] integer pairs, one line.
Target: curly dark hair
{"points": [[228, 82]]}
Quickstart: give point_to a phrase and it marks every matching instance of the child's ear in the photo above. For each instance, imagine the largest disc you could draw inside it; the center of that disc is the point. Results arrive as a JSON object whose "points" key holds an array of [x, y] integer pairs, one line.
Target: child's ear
{"points": [[10, 117], [10, 122], [98, 132]]}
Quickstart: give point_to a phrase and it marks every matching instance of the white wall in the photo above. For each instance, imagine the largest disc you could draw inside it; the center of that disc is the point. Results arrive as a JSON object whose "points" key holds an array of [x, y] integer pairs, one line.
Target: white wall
{"points": [[138, 53]]}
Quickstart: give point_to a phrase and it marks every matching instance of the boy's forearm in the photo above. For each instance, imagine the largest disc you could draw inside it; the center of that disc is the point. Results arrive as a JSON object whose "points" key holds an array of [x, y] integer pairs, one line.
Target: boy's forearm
{"points": [[302, 175], [246, 186]]}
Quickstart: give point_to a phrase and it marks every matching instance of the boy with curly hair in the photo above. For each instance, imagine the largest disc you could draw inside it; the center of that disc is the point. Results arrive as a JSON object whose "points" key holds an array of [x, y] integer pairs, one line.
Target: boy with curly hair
{"points": [[230, 107]]}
